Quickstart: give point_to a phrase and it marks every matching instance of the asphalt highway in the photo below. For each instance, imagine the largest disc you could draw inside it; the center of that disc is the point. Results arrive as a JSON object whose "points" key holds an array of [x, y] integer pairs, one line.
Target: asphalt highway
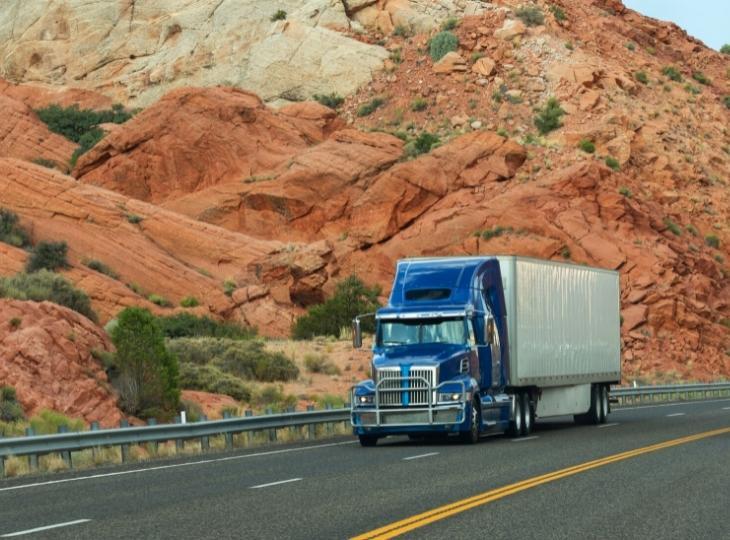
{"points": [[639, 476]]}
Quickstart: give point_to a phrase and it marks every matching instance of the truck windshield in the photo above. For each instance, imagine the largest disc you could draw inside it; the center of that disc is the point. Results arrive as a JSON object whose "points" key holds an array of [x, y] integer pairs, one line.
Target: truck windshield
{"points": [[420, 331]]}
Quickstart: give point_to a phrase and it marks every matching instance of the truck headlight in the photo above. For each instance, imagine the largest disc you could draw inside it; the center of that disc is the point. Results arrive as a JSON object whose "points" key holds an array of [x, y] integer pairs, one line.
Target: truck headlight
{"points": [[450, 397], [364, 400]]}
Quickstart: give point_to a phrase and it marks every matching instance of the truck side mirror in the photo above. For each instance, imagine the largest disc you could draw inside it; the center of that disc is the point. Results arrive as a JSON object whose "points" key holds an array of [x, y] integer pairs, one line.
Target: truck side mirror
{"points": [[356, 334], [490, 330]]}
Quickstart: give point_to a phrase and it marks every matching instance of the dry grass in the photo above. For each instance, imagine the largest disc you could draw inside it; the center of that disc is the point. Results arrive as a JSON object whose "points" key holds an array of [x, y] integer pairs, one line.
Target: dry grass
{"points": [[52, 463], [16, 466]]}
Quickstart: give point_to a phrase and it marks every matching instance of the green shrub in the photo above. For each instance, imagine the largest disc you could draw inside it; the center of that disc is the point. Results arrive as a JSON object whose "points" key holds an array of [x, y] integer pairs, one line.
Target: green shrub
{"points": [[725, 49], [672, 226], [189, 302], [244, 359], [319, 363], [641, 77], [726, 100], [188, 325], [701, 78], [43, 162], [48, 256], [10, 409], [333, 101], [47, 422], [548, 118], [148, 372], [86, 143], [450, 24], [613, 163], [44, 285], [587, 146], [712, 241], [626, 192], [495, 232], [159, 300], [15, 322], [692, 89], [630, 46], [558, 13], [402, 31], [100, 267], [672, 73], [134, 219], [370, 107], [10, 230], [351, 298], [73, 123], [422, 144], [419, 104], [273, 397], [530, 15], [280, 15], [208, 378], [691, 229], [330, 400], [442, 43]]}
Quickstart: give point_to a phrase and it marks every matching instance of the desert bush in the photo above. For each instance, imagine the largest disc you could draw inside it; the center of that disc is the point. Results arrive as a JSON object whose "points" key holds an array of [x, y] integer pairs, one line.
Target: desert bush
{"points": [[402, 31], [148, 372], [641, 77], [626, 192], [48, 256], [450, 24], [319, 363], [701, 78], [47, 422], [548, 118], [333, 101], [10, 409], [587, 146], [442, 43], [159, 300], [531, 15], [725, 49], [102, 268], [330, 400], [613, 163], [208, 378], [134, 219], [188, 325], [10, 230], [630, 46], [189, 302], [558, 13], [712, 241], [671, 73], [43, 162], [672, 226], [245, 359], [726, 101], [370, 107], [229, 287], [422, 144], [45, 285], [352, 297], [193, 411], [280, 15], [273, 396], [495, 232], [419, 104]]}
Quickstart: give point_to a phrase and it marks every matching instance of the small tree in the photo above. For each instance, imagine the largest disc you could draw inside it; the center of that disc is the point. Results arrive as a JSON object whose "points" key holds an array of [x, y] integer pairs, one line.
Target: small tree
{"points": [[48, 256], [148, 372], [352, 297], [10, 230], [10, 409], [548, 118]]}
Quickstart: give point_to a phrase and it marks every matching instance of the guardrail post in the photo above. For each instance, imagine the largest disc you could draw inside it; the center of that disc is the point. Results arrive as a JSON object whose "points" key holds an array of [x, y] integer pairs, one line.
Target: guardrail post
{"points": [[204, 440], [179, 443], [228, 435], [124, 423], [311, 428], [154, 444], [93, 427], [2, 466], [328, 426], [248, 435], [32, 458], [66, 454], [272, 432]]}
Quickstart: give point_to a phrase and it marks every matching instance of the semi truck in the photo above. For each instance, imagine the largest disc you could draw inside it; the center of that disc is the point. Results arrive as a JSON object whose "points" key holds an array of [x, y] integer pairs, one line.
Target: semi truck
{"points": [[471, 345]]}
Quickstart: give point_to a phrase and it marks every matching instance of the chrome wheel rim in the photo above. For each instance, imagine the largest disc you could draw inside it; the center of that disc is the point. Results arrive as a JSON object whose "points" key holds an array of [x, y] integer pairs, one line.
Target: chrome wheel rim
{"points": [[528, 416], [518, 416]]}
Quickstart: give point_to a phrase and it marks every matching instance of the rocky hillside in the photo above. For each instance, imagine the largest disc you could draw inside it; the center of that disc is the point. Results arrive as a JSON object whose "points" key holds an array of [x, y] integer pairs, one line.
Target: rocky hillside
{"points": [[258, 212]]}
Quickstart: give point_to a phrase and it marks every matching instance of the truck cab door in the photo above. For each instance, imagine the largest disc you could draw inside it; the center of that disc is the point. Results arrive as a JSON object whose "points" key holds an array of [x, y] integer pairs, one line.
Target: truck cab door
{"points": [[495, 350]]}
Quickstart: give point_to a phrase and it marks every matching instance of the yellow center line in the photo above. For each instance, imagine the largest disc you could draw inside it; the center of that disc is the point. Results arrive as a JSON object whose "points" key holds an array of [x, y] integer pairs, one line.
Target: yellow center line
{"points": [[442, 512]]}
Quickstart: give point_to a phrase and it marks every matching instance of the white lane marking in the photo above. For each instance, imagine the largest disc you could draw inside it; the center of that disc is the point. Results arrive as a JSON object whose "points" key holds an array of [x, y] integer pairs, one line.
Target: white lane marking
{"points": [[676, 414], [683, 403], [421, 456], [276, 483], [174, 466], [46, 528], [608, 425], [526, 438], [726, 408]]}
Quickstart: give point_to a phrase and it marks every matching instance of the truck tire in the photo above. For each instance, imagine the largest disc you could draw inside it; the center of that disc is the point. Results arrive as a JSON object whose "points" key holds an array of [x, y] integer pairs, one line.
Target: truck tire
{"points": [[594, 414], [528, 415], [515, 425], [368, 440], [603, 398], [472, 436]]}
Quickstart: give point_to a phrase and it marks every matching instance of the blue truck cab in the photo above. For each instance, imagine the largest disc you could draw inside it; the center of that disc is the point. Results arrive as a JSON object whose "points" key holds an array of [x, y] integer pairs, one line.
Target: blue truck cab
{"points": [[440, 354], [468, 345]]}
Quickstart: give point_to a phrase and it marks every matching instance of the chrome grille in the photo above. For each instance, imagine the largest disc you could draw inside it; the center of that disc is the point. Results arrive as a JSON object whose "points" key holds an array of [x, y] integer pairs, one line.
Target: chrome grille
{"points": [[417, 387]]}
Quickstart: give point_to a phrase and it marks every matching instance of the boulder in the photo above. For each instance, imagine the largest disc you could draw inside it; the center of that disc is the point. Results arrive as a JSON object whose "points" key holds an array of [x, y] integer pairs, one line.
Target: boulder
{"points": [[510, 29], [450, 62], [484, 66]]}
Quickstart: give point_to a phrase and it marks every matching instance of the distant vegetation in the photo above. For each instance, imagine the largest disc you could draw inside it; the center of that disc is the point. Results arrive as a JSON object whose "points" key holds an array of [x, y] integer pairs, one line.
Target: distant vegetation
{"points": [[319, 363], [450, 24], [10, 409], [369, 108], [352, 297], [45, 285], [726, 100], [422, 144], [188, 325], [613, 163], [333, 101], [701, 78], [671, 73], [102, 268], [48, 256], [549, 117], [189, 302], [641, 77], [442, 43], [81, 125], [558, 13], [587, 146], [10, 230], [280, 15], [725, 49], [531, 15]]}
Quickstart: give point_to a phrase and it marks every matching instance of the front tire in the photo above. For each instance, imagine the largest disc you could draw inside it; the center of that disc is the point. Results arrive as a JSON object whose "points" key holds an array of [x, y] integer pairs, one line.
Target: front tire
{"points": [[368, 440], [515, 425], [472, 436], [528, 415]]}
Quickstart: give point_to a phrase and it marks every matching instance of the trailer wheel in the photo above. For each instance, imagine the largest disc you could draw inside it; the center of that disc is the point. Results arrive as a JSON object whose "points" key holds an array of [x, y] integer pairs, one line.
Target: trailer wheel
{"points": [[515, 425], [594, 414], [603, 396], [368, 440], [528, 414], [472, 436]]}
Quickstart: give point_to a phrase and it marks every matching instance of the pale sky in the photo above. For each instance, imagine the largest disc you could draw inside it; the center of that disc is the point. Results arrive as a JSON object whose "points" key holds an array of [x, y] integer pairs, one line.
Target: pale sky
{"points": [[707, 20]]}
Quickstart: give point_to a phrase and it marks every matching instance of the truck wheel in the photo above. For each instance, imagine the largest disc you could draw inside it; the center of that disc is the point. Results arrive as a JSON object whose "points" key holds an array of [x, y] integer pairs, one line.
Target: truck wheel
{"points": [[528, 414], [603, 396], [594, 414], [368, 440], [515, 425], [472, 436]]}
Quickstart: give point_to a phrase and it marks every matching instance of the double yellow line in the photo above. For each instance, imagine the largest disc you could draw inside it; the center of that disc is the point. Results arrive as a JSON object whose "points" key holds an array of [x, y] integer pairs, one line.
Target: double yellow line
{"points": [[442, 512]]}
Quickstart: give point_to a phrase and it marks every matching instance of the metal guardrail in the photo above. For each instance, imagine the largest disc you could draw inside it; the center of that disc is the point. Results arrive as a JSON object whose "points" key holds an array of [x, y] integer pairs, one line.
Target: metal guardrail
{"points": [[65, 443]]}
